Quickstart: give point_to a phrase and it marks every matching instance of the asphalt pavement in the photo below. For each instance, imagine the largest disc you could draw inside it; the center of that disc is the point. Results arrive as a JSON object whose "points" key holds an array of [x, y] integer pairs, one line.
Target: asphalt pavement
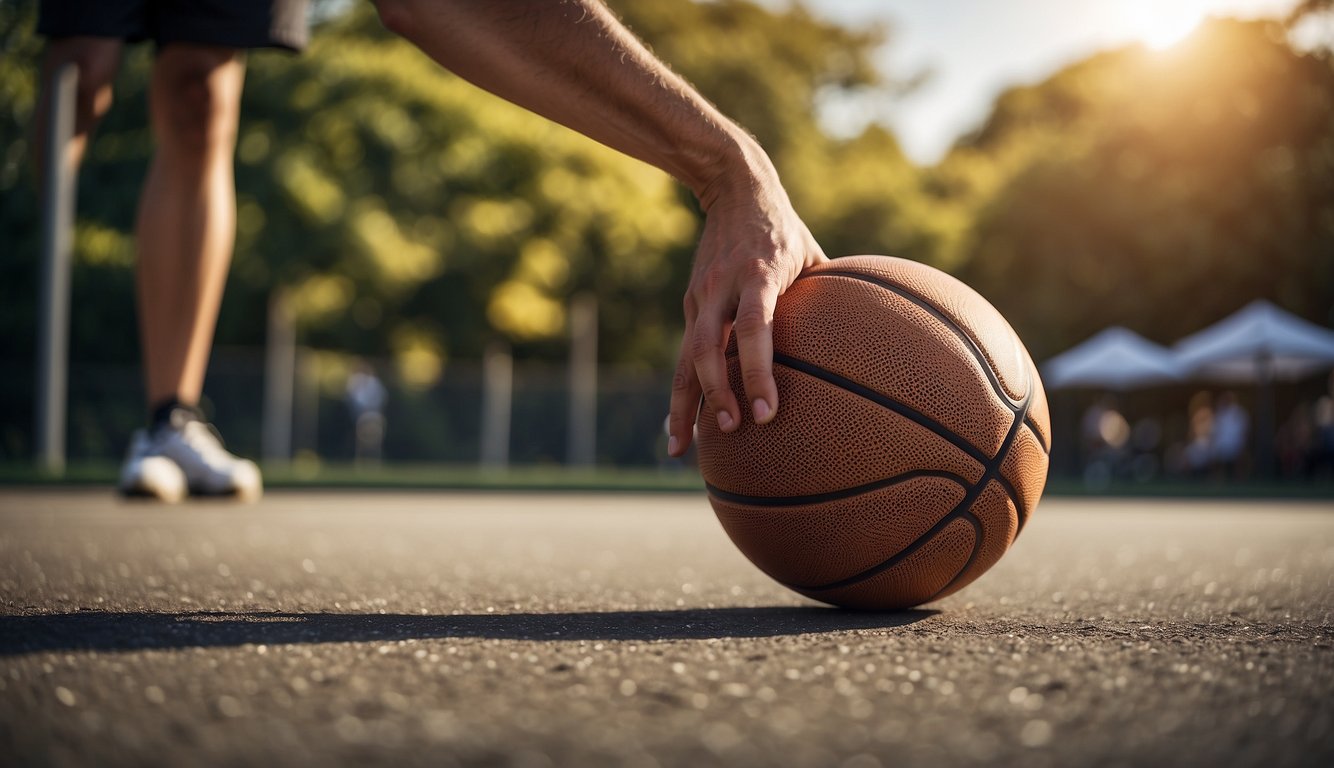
{"points": [[595, 630]]}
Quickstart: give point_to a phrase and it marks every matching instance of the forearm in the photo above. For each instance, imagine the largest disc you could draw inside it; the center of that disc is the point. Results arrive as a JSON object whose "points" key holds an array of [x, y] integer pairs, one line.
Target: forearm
{"points": [[573, 62]]}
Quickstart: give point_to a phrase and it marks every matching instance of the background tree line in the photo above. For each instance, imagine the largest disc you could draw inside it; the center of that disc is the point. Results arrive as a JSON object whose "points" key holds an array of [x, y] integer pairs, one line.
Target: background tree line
{"points": [[407, 214]]}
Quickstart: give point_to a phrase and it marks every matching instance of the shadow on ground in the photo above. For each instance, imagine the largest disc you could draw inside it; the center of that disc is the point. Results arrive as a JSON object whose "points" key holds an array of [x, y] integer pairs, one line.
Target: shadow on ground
{"points": [[104, 631]]}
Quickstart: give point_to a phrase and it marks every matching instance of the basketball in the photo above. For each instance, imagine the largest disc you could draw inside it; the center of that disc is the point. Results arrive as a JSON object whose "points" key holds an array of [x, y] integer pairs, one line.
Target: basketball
{"points": [[910, 445]]}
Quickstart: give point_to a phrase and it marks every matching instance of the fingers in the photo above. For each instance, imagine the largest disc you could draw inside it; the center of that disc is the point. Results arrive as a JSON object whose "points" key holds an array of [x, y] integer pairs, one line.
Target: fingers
{"points": [[748, 254], [706, 353], [755, 347], [685, 402], [702, 370]]}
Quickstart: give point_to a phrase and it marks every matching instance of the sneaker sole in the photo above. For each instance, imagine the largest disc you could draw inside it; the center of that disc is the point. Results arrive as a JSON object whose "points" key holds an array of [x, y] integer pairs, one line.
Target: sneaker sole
{"points": [[142, 492]]}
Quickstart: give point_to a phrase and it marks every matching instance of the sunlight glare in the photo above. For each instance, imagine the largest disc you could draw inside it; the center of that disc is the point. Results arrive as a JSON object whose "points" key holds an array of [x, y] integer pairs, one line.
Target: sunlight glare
{"points": [[1162, 24]]}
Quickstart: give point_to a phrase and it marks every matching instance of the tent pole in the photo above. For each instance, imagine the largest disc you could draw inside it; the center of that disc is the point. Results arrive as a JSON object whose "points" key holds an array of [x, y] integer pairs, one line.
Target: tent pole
{"points": [[1264, 417]]}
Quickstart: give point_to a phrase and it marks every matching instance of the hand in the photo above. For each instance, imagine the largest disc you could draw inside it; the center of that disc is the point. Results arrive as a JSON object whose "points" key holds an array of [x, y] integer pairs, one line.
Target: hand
{"points": [[753, 247]]}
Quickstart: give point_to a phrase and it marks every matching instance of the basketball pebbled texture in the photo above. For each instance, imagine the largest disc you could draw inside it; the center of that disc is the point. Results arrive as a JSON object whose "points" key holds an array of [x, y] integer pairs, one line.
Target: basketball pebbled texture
{"points": [[910, 445]]}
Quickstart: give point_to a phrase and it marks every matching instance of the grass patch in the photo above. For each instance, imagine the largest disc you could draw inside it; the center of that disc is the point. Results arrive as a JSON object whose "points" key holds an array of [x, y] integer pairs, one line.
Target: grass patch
{"points": [[558, 478], [404, 477]]}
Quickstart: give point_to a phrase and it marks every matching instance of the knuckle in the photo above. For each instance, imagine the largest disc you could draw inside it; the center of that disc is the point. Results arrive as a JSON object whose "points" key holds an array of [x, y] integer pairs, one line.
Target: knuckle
{"points": [[711, 280], [703, 344], [680, 380], [751, 318], [758, 270], [717, 394], [679, 422]]}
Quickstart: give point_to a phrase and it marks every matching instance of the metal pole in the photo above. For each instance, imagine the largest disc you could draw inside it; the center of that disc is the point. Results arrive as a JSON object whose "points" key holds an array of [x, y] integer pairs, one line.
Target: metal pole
{"points": [[581, 445], [279, 381], [497, 400], [60, 179], [306, 411]]}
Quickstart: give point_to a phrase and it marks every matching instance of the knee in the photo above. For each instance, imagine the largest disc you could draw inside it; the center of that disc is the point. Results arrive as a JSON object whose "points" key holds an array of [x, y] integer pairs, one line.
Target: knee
{"points": [[196, 105], [196, 115]]}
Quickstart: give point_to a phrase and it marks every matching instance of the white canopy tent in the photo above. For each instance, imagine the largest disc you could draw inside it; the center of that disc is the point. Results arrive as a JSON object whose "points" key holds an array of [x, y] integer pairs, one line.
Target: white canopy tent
{"points": [[1116, 359], [1258, 342]]}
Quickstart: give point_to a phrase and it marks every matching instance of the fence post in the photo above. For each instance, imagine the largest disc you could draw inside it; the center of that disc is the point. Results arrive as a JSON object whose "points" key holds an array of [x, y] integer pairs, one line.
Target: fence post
{"points": [[279, 381], [59, 183], [581, 445], [497, 397]]}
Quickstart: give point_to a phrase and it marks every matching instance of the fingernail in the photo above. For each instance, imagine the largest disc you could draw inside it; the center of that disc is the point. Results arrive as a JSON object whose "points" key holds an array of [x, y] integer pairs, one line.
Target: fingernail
{"points": [[673, 445], [724, 420], [760, 409]]}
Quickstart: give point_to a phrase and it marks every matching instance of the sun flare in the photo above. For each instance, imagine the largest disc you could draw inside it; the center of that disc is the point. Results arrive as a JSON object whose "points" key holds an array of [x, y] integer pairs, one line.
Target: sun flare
{"points": [[1161, 24]]}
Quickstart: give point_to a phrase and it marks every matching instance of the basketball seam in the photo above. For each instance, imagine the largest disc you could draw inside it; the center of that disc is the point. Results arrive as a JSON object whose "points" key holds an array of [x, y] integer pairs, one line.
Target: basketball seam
{"points": [[973, 347], [810, 369], [1008, 487], [879, 398], [979, 532], [991, 470], [1037, 433], [885, 401], [839, 495]]}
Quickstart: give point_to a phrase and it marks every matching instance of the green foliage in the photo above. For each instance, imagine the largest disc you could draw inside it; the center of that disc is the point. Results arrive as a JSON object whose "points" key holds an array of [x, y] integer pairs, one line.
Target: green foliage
{"points": [[766, 70], [18, 209], [405, 212]]}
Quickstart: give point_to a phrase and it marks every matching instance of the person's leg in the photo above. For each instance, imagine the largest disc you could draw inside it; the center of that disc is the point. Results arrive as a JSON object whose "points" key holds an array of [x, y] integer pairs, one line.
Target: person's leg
{"points": [[185, 231], [187, 215], [97, 59]]}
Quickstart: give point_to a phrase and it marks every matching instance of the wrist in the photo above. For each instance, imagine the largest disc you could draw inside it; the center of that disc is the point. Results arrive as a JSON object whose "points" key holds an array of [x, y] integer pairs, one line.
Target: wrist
{"points": [[734, 163]]}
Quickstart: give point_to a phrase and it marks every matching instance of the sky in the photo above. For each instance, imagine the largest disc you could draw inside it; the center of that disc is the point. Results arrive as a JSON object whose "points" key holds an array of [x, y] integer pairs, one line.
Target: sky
{"points": [[973, 49]]}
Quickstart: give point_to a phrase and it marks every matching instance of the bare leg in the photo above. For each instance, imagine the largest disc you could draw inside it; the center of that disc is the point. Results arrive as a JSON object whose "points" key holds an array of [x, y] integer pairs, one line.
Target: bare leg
{"points": [[187, 215], [97, 58]]}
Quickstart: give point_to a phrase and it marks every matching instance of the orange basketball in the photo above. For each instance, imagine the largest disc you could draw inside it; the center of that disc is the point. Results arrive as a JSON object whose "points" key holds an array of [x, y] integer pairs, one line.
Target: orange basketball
{"points": [[910, 445]]}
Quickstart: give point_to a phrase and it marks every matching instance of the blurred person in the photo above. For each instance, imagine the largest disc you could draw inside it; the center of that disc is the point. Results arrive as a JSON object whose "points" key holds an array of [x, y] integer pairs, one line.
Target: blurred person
{"points": [[366, 396], [571, 61], [1106, 441], [1090, 429], [1198, 453], [187, 211], [1231, 427]]}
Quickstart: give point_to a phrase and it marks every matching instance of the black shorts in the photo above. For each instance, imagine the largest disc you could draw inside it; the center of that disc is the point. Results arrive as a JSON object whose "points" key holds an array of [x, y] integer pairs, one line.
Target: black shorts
{"points": [[230, 23]]}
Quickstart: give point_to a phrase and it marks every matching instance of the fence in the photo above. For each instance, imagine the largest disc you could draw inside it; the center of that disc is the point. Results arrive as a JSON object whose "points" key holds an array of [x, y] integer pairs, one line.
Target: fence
{"points": [[442, 423]]}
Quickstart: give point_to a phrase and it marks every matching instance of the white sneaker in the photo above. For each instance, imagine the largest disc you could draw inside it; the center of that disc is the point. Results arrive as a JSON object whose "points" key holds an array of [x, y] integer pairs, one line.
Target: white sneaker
{"points": [[149, 475], [210, 470]]}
